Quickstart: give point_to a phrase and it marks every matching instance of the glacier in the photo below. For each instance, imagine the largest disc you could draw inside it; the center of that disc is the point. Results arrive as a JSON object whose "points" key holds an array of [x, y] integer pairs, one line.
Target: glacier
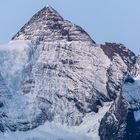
{"points": [[131, 94], [88, 130]]}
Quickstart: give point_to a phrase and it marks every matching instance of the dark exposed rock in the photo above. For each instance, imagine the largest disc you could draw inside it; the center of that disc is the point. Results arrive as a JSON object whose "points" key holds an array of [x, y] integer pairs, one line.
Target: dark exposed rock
{"points": [[49, 26], [129, 79], [113, 124], [1, 104], [1, 127], [127, 56]]}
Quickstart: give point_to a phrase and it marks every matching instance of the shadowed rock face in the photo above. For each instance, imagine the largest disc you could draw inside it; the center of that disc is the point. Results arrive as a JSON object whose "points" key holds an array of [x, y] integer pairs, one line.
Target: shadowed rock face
{"points": [[111, 49], [122, 120], [122, 59], [65, 76], [113, 125]]}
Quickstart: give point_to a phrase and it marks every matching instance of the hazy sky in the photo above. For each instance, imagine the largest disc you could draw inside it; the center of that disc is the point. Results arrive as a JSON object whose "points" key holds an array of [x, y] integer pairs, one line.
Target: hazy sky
{"points": [[105, 20]]}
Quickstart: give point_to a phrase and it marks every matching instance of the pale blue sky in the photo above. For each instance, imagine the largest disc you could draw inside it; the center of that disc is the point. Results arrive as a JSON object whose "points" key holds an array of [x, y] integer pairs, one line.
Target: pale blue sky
{"points": [[105, 20]]}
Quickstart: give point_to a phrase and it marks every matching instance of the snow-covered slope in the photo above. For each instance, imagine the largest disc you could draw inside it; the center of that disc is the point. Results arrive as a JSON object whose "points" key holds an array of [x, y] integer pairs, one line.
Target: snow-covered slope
{"points": [[14, 110], [88, 130]]}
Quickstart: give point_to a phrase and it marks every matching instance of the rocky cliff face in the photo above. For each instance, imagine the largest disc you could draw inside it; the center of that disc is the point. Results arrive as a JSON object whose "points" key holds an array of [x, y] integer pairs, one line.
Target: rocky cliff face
{"points": [[52, 71], [122, 120]]}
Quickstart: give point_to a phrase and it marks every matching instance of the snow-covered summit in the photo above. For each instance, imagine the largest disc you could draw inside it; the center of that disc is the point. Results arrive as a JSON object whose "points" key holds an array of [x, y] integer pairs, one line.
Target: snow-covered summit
{"points": [[47, 25], [52, 72]]}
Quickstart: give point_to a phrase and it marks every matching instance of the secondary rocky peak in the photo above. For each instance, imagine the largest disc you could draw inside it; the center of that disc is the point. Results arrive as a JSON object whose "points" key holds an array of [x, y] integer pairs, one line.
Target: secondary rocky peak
{"points": [[48, 26], [113, 49]]}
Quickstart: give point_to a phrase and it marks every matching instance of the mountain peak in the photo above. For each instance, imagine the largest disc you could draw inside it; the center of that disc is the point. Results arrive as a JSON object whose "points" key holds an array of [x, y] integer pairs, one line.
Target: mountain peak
{"points": [[45, 14], [48, 25], [48, 11], [48, 7]]}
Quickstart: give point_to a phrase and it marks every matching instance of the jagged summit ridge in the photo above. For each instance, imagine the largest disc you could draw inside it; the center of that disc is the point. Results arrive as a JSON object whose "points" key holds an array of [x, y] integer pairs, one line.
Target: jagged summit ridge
{"points": [[47, 13], [47, 25], [54, 73]]}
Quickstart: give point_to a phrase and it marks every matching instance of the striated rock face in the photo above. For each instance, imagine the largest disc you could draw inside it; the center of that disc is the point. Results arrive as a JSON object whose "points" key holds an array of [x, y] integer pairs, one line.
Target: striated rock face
{"points": [[47, 25], [128, 57], [62, 81], [52, 71], [54, 75], [62, 78]]}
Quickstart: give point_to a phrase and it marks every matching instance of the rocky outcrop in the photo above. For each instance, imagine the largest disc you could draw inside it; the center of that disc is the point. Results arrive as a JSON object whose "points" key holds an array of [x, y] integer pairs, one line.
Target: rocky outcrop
{"points": [[113, 124], [111, 49], [122, 120]]}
